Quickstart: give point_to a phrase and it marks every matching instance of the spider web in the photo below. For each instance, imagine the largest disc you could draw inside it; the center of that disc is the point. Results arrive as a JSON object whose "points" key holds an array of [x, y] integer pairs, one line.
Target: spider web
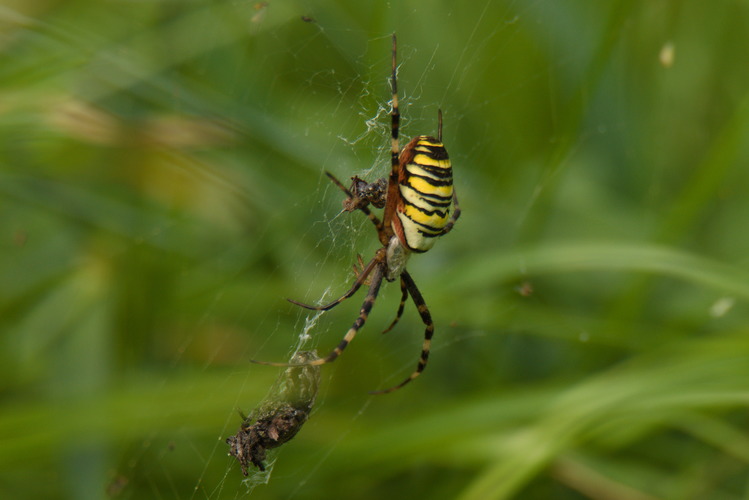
{"points": [[363, 138], [315, 256], [344, 239], [162, 191]]}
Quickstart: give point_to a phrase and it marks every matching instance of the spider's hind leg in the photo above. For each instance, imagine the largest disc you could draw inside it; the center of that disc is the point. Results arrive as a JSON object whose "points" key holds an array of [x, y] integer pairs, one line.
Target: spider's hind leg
{"points": [[426, 318], [401, 306]]}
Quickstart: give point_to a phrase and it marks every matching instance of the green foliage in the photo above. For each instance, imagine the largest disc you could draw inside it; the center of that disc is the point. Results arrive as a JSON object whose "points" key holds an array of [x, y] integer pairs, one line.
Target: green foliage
{"points": [[162, 192]]}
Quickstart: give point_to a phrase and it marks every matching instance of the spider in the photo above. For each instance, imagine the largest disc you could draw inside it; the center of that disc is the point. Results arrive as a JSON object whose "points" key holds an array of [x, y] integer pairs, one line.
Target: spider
{"points": [[417, 197]]}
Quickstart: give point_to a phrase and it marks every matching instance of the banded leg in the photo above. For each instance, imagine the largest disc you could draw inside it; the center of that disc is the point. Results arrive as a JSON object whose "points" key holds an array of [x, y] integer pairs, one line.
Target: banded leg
{"points": [[395, 116], [377, 276], [395, 119], [404, 298], [426, 318], [357, 284]]}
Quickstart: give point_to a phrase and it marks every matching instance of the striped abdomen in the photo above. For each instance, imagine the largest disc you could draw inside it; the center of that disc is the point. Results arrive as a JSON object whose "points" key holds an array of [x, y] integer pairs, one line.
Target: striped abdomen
{"points": [[426, 192]]}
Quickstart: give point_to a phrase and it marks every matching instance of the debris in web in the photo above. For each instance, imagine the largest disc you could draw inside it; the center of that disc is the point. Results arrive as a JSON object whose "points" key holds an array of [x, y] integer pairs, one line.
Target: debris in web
{"points": [[279, 417], [365, 193]]}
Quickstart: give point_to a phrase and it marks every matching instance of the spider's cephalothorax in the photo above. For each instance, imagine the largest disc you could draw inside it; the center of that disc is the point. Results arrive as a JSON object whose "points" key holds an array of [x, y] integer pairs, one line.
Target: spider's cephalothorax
{"points": [[420, 206]]}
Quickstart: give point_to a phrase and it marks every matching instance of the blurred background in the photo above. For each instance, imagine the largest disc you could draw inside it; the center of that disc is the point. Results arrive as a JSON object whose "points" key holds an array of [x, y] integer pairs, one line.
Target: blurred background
{"points": [[162, 191]]}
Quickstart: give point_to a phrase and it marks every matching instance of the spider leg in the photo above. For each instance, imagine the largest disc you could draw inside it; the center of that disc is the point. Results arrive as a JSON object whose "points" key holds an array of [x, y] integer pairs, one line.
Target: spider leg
{"points": [[365, 272], [439, 125], [378, 274], [426, 317], [456, 212], [404, 298], [395, 120]]}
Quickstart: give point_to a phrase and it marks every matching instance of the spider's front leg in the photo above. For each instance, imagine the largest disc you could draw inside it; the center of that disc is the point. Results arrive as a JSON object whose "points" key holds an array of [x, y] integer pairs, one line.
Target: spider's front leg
{"points": [[377, 275], [361, 279], [366, 308]]}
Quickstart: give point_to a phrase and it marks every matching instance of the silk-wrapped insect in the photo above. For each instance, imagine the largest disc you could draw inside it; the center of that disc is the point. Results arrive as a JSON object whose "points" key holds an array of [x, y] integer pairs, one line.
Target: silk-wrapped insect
{"points": [[279, 417]]}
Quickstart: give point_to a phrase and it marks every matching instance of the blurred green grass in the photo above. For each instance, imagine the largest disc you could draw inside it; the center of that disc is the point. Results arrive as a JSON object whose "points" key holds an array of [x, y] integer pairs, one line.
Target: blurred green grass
{"points": [[162, 192]]}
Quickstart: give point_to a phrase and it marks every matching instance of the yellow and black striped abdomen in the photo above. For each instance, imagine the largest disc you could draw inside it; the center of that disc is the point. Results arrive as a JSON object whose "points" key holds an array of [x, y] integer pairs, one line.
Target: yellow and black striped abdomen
{"points": [[426, 191]]}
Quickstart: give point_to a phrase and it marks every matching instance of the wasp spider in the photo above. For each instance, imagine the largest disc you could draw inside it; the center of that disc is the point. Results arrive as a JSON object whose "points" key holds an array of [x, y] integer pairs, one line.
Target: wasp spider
{"points": [[418, 198]]}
